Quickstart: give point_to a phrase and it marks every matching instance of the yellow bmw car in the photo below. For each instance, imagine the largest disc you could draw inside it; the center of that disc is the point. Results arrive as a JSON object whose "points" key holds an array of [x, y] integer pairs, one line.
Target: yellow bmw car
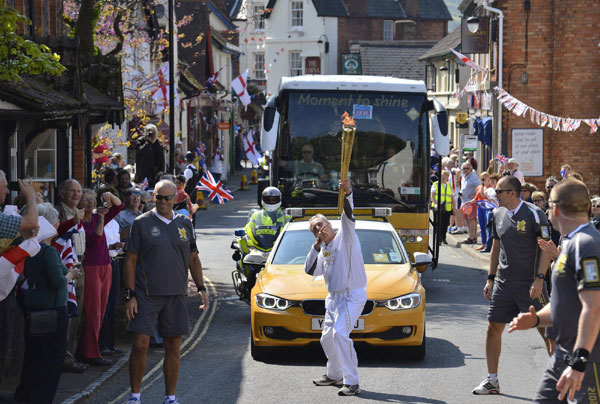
{"points": [[288, 306]]}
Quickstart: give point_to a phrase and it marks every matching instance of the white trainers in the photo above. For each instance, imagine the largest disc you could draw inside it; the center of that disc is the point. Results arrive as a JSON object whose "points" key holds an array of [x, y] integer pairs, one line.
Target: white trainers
{"points": [[327, 381], [349, 390], [487, 386]]}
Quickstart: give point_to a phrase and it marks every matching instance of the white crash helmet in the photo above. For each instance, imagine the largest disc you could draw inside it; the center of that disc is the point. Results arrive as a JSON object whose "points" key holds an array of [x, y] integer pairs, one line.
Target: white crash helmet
{"points": [[271, 199]]}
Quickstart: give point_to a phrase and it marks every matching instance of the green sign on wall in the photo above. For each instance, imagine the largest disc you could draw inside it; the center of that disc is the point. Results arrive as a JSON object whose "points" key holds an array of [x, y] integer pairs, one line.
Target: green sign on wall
{"points": [[351, 63]]}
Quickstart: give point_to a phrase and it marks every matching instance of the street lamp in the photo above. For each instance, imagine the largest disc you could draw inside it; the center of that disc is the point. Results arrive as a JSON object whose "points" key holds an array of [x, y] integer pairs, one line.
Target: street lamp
{"points": [[446, 66], [320, 41]]}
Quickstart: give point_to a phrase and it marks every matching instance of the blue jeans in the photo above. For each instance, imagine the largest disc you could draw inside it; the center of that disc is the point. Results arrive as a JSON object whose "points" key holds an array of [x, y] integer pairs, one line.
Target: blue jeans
{"points": [[490, 224], [482, 218]]}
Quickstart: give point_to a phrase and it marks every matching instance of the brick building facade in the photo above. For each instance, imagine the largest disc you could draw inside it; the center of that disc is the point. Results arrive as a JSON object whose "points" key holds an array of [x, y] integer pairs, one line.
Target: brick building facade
{"points": [[558, 47], [411, 19]]}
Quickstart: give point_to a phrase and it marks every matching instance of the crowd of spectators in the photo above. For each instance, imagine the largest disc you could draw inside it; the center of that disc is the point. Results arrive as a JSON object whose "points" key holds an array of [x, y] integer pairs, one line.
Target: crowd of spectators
{"points": [[81, 290], [474, 198]]}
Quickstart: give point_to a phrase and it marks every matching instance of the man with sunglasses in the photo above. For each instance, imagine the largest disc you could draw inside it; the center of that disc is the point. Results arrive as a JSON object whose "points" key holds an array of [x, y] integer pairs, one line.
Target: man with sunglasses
{"points": [[160, 248], [574, 311], [306, 168], [516, 271]]}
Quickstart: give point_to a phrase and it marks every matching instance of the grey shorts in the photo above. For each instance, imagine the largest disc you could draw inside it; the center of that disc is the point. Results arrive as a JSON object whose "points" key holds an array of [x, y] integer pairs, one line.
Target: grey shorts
{"points": [[170, 312], [547, 394], [510, 298]]}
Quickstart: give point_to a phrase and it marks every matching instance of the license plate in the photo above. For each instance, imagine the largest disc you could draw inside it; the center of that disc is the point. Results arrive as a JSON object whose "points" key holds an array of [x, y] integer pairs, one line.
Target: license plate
{"points": [[317, 324]]}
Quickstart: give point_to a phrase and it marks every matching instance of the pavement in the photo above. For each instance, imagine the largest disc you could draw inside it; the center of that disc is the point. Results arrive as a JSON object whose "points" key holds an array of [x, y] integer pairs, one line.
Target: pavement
{"points": [[458, 241], [77, 387]]}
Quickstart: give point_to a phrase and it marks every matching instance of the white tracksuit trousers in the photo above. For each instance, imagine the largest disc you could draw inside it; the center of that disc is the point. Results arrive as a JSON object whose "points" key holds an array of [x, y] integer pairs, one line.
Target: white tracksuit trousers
{"points": [[343, 309]]}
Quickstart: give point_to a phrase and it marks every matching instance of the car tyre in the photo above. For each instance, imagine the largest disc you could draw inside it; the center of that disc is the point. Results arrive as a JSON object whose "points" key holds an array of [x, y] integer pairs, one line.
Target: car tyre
{"points": [[258, 353], [417, 353]]}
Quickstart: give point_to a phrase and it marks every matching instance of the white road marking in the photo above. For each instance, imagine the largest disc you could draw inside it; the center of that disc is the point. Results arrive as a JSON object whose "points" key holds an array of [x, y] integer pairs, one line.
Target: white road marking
{"points": [[158, 366]]}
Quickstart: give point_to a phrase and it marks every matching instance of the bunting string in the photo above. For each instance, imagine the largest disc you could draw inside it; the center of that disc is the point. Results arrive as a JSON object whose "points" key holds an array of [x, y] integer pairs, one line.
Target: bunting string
{"points": [[542, 119]]}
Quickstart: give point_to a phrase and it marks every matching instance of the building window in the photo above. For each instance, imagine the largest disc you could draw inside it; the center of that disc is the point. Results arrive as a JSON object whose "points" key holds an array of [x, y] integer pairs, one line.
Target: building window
{"points": [[259, 66], [388, 30], [430, 72], [259, 18], [295, 64], [297, 14], [40, 157]]}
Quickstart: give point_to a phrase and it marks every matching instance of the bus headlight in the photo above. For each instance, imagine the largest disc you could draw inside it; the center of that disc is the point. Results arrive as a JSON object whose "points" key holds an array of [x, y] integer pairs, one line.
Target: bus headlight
{"points": [[266, 301], [405, 302]]}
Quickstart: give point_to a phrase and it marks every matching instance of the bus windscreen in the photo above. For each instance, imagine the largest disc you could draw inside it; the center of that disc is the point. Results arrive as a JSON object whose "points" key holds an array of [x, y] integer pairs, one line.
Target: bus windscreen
{"points": [[389, 157]]}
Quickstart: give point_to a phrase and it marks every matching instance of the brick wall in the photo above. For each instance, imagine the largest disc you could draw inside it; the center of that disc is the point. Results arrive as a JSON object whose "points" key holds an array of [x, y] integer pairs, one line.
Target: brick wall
{"points": [[371, 29], [562, 64]]}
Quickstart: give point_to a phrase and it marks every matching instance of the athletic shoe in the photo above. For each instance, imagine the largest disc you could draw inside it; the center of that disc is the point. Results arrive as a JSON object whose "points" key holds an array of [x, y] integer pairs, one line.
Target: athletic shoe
{"points": [[487, 386], [464, 230], [327, 381], [454, 230], [133, 400], [167, 401], [349, 390]]}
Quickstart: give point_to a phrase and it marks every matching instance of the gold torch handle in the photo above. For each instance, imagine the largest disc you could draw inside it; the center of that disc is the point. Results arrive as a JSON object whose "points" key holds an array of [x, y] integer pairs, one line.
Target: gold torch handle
{"points": [[347, 143]]}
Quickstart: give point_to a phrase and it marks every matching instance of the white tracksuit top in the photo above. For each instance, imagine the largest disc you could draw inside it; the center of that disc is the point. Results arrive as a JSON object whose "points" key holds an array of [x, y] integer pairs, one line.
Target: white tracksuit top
{"points": [[341, 262]]}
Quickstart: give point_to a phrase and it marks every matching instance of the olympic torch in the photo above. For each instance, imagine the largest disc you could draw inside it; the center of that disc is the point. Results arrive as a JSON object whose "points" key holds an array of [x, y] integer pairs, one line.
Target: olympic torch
{"points": [[348, 130]]}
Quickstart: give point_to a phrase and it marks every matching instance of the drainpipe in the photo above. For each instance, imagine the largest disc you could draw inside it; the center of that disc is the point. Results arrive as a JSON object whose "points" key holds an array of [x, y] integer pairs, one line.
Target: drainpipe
{"points": [[500, 39]]}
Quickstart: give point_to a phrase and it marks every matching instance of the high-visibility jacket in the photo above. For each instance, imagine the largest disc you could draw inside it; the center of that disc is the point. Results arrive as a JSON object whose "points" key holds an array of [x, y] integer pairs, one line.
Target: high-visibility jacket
{"points": [[446, 198], [262, 231]]}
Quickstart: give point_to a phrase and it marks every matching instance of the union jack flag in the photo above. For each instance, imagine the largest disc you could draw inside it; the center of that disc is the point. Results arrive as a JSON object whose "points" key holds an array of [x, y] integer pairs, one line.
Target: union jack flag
{"points": [[144, 185], [570, 124], [486, 204], [554, 122], [502, 159], [217, 193], [593, 123], [64, 246]]}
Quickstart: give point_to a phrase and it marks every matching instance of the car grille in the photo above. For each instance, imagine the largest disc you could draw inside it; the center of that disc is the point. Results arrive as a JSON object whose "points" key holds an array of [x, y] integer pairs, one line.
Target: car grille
{"points": [[316, 307]]}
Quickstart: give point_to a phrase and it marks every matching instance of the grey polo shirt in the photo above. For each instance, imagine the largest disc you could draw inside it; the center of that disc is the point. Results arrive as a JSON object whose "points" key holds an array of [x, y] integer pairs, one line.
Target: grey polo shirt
{"points": [[163, 254], [519, 252], [576, 269]]}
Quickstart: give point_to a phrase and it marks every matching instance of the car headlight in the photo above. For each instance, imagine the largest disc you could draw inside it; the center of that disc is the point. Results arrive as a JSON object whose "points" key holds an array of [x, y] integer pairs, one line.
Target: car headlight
{"points": [[404, 302], [266, 301]]}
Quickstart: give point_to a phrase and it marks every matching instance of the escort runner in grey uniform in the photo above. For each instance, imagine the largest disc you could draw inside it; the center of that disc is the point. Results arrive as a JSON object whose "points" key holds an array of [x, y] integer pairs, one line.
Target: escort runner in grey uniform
{"points": [[516, 272], [573, 372], [160, 249]]}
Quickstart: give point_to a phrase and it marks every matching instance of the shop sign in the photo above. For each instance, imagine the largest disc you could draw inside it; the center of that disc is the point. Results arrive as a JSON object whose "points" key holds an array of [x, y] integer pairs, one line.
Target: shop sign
{"points": [[312, 65], [351, 63]]}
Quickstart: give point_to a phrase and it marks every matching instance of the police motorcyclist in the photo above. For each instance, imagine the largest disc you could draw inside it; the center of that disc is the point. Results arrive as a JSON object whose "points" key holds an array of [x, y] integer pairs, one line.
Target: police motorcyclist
{"points": [[264, 226]]}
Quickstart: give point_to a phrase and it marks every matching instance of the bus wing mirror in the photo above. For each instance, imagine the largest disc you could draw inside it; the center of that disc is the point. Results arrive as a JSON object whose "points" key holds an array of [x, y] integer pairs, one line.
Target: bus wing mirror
{"points": [[439, 126], [270, 125]]}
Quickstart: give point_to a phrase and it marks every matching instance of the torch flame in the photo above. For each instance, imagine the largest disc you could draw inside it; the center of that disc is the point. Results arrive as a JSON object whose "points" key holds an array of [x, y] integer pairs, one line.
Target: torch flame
{"points": [[347, 120]]}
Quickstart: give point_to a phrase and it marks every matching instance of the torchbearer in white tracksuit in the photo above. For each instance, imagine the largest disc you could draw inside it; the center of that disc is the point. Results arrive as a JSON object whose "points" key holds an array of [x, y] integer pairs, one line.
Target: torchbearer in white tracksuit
{"points": [[341, 263]]}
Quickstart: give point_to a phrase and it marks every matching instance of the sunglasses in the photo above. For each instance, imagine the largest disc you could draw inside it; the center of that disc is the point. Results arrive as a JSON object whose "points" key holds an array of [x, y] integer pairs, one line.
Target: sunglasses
{"points": [[165, 197], [500, 191], [538, 200], [306, 152]]}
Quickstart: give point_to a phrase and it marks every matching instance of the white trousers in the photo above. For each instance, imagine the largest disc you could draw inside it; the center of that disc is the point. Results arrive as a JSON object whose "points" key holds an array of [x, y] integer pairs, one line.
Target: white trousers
{"points": [[342, 311]]}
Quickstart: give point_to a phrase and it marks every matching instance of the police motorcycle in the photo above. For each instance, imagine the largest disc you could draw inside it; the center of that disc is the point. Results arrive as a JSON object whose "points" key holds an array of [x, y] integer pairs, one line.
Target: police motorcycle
{"points": [[251, 250]]}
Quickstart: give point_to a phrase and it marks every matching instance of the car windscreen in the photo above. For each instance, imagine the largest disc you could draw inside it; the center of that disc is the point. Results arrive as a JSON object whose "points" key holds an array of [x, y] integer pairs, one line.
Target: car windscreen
{"points": [[377, 246]]}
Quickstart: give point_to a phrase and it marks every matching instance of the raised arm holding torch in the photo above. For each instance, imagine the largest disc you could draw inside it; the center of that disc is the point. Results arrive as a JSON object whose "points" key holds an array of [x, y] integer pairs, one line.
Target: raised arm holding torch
{"points": [[349, 129]]}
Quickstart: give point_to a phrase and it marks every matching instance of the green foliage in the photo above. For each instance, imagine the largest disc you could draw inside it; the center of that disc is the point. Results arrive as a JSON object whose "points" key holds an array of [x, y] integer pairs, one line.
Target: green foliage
{"points": [[21, 56]]}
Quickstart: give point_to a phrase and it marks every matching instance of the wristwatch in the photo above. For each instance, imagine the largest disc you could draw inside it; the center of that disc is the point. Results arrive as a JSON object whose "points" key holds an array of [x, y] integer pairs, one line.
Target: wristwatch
{"points": [[540, 275], [129, 294], [578, 360]]}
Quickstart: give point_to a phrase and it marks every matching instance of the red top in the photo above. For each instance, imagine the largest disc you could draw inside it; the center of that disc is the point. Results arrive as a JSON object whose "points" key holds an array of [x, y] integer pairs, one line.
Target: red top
{"points": [[96, 250], [479, 193]]}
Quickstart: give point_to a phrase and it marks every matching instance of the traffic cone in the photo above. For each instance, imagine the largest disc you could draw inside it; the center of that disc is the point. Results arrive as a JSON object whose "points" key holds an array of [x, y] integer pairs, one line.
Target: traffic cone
{"points": [[200, 200], [244, 183], [253, 178]]}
